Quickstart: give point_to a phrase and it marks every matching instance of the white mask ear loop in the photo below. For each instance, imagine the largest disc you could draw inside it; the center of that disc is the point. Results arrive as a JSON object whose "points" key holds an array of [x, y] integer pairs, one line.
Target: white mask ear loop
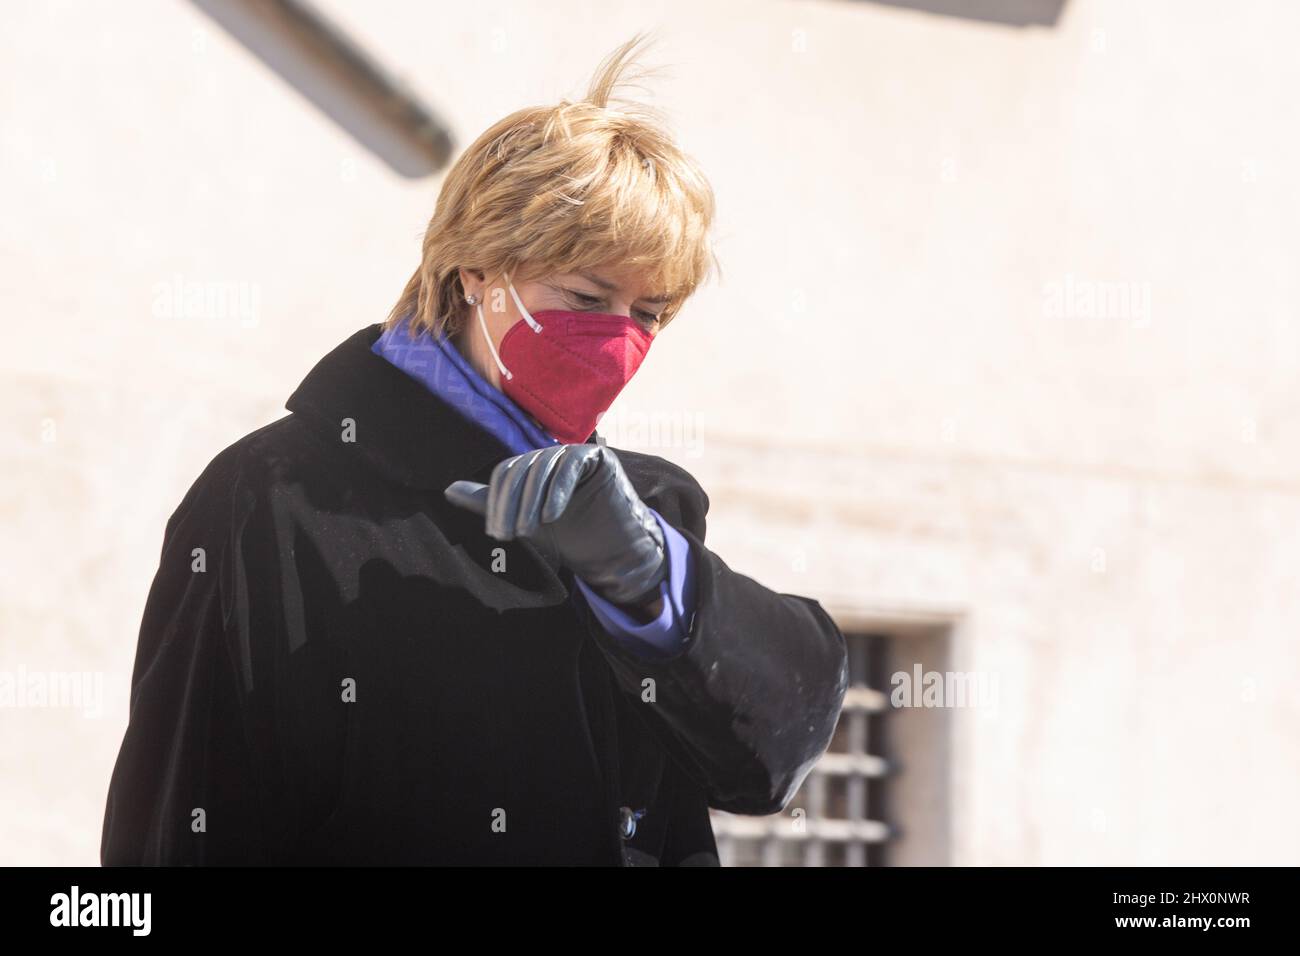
{"points": [[482, 324], [532, 323]]}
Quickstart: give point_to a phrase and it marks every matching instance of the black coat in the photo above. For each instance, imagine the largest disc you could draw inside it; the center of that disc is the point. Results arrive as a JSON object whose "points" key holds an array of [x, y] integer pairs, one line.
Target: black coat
{"points": [[494, 721]]}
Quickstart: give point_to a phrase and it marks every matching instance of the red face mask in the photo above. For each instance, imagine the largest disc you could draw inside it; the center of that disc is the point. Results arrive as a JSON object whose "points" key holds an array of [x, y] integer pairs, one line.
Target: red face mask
{"points": [[566, 368]]}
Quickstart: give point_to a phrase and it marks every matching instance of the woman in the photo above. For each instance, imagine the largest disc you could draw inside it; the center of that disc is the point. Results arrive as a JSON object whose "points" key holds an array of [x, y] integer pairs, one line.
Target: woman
{"points": [[429, 616]]}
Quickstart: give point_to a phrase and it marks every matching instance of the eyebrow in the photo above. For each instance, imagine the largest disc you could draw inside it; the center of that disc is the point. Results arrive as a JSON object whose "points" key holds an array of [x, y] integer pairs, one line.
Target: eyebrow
{"points": [[609, 286]]}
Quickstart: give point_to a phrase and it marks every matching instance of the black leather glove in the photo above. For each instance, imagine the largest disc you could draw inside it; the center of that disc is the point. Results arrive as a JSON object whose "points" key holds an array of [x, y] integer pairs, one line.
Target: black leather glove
{"points": [[577, 499]]}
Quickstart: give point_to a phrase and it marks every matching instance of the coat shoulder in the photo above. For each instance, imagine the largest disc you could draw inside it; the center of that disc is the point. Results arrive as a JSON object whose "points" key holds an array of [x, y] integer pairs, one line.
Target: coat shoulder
{"points": [[220, 502], [249, 465]]}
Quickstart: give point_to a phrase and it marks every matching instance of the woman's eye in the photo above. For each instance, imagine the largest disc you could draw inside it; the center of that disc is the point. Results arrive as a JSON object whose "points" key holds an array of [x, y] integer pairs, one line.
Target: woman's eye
{"points": [[583, 299]]}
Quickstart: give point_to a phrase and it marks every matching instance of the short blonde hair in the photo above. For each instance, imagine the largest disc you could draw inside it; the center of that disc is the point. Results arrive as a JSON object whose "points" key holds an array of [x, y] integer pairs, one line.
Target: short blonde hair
{"points": [[564, 188]]}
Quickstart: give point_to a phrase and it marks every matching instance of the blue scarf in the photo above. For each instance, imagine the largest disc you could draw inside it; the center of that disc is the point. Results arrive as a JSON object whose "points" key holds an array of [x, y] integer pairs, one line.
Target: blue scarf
{"points": [[438, 364]]}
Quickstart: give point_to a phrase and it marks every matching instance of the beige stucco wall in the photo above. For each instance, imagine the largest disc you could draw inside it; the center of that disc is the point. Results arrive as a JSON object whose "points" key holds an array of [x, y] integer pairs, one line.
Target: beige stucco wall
{"points": [[888, 398]]}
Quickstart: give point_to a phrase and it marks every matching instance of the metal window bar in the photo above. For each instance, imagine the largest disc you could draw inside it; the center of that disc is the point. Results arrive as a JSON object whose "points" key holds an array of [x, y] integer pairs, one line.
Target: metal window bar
{"points": [[829, 821]]}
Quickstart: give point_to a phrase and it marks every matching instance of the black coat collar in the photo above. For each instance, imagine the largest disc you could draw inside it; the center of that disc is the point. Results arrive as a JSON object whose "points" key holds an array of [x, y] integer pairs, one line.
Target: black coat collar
{"points": [[403, 429]]}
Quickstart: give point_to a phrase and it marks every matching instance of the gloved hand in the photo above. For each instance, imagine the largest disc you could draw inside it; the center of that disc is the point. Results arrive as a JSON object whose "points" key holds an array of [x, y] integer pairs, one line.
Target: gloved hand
{"points": [[577, 499]]}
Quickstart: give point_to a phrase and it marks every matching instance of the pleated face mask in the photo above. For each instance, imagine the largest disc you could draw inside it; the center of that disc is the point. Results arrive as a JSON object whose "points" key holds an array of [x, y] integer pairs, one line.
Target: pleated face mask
{"points": [[566, 368]]}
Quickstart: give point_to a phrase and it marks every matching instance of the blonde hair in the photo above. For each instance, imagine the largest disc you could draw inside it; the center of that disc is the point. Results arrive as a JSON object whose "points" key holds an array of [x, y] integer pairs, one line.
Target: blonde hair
{"points": [[564, 188]]}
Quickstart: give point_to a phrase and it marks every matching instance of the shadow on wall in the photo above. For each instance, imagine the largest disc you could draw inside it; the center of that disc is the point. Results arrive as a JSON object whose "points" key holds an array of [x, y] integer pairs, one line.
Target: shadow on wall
{"points": [[1016, 13]]}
